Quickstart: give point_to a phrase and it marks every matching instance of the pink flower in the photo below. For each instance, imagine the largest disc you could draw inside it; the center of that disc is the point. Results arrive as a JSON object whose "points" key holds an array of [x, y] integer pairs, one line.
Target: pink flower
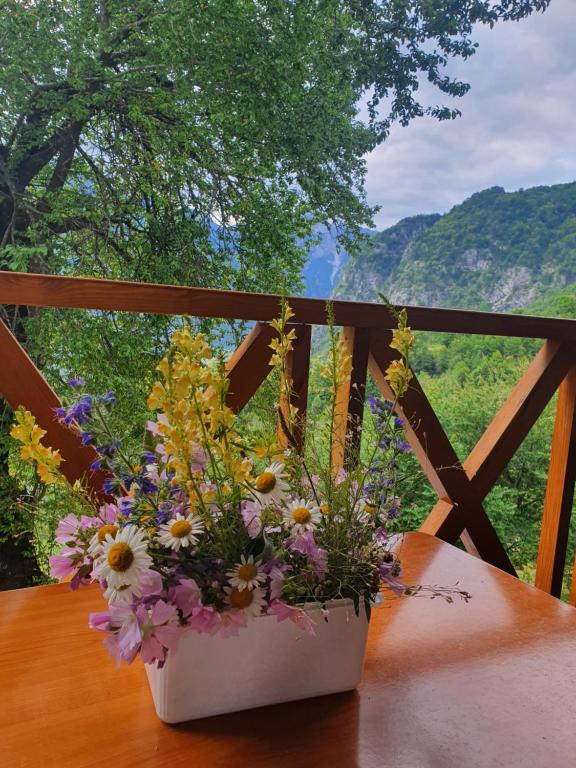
{"points": [[340, 476], [198, 459], [282, 611], [186, 596], [152, 426], [277, 574], [251, 517], [160, 631], [67, 529], [231, 622], [151, 583], [62, 566], [306, 545], [131, 629], [204, 619], [109, 514]]}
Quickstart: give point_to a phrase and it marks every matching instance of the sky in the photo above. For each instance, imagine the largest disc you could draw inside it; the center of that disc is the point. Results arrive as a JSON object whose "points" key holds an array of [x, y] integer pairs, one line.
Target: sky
{"points": [[517, 130]]}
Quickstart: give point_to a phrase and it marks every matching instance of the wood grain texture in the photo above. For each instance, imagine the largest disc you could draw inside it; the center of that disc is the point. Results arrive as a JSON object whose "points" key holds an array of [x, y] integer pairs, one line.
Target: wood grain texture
{"points": [[248, 366], [90, 293], [350, 399], [298, 371], [458, 507], [559, 492], [22, 384], [516, 417], [478, 685]]}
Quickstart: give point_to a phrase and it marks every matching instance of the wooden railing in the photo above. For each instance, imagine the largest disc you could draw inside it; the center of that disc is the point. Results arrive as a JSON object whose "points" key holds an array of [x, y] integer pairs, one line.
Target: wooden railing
{"points": [[461, 487]]}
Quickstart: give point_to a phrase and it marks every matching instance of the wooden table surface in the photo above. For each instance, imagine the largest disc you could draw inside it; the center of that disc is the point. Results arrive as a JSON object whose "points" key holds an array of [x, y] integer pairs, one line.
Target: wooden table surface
{"points": [[488, 683]]}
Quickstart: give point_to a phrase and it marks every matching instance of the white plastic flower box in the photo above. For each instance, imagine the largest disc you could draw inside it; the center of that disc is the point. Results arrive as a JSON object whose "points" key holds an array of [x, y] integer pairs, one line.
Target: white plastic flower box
{"points": [[267, 663]]}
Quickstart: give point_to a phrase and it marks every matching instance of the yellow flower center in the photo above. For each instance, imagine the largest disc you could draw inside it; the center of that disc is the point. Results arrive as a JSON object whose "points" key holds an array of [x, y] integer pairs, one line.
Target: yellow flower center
{"points": [[105, 530], [247, 572], [241, 598], [324, 509], [180, 528], [265, 482], [301, 515], [120, 557]]}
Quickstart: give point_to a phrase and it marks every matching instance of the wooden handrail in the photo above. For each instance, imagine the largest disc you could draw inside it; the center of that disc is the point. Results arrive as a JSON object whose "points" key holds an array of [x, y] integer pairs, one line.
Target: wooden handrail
{"points": [[461, 487], [122, 296]]}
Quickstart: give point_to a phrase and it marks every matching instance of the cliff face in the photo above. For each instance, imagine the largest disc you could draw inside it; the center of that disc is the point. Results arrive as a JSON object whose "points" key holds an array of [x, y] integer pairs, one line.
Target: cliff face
{"points": [[496, 251]]}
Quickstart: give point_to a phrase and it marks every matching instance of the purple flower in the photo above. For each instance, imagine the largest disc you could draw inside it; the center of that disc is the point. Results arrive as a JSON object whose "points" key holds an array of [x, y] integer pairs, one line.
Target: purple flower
{"points": [[87, 438], [125, 505], [76, 382], [108, 399], [387, 571], [80, 412]]}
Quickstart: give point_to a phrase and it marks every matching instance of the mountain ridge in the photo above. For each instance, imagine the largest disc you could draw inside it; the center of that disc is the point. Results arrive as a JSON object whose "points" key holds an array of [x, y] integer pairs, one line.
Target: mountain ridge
{"points": [[496, 251]]}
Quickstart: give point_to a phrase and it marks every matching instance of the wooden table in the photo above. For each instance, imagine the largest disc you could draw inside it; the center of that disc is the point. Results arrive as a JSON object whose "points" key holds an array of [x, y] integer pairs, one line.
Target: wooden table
{"points": [[489, 683]]}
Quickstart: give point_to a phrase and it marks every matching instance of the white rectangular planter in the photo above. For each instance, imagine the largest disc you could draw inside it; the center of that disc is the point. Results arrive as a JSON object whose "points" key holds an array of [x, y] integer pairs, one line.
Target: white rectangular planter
{"points": [[267, 663]]}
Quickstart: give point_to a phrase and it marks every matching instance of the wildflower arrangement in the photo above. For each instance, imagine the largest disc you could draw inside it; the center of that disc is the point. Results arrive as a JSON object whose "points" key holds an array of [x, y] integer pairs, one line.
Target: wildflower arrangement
{"points": [[211, 527]]}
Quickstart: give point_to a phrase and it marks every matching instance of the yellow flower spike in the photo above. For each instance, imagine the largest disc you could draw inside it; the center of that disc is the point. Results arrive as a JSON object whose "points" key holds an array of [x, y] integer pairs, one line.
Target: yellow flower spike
{"points": [[403, 340], [157, 396], [398, 376]]}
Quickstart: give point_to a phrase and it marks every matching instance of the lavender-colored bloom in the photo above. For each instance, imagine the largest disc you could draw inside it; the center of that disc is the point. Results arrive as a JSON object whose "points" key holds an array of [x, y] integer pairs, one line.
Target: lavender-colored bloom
{"points": [[107, 399], [125, 505], [96, 466], [387, 571], [76, 382], [80, 412], [306, 545], [110, 485], [251, 517], [87, 438], [402, 445]]}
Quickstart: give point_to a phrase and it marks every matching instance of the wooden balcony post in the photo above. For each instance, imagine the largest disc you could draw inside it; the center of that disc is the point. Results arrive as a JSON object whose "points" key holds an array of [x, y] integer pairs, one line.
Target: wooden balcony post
{"points": [[298, 370], [350, 400], [559, 492]]}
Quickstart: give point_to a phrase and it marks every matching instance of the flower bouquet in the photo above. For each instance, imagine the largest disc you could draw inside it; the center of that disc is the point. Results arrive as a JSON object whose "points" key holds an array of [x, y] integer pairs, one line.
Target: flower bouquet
{"points": [[215, 536]]}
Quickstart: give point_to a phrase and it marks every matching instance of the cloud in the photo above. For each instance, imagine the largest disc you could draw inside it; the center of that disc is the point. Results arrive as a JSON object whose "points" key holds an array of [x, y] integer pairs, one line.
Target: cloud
{"points": [[518, 124]]}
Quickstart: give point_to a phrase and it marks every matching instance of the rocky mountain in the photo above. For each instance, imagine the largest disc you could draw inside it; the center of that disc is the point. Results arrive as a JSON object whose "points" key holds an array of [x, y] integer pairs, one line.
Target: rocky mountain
{"points": [[496, 251]]}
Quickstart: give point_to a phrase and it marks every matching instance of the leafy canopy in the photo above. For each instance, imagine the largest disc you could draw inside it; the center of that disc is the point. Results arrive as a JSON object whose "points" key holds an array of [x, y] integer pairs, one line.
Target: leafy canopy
{"points": [[200, 141]]}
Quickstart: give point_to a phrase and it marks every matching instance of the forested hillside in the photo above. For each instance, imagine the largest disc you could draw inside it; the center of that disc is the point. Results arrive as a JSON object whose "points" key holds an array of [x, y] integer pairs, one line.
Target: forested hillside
{"points": [[497, 250]]}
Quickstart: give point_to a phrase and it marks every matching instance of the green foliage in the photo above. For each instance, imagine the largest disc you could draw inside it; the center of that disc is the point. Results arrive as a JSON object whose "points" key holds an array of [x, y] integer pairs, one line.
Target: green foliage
{"points": [[467, 378], [187, 143]]}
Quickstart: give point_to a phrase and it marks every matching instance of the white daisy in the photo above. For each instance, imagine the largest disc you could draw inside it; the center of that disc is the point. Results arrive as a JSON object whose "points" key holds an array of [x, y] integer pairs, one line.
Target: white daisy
{"points": [[124, 558], [271, 485], [249, 601], [96, 547], [366, 511], [301, 516], [181, 531], [247, 574]]}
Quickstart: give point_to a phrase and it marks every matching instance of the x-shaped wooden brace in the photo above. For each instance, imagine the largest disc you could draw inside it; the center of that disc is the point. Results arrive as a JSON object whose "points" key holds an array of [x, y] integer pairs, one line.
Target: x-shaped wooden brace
{"points": [[461, 488]]}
